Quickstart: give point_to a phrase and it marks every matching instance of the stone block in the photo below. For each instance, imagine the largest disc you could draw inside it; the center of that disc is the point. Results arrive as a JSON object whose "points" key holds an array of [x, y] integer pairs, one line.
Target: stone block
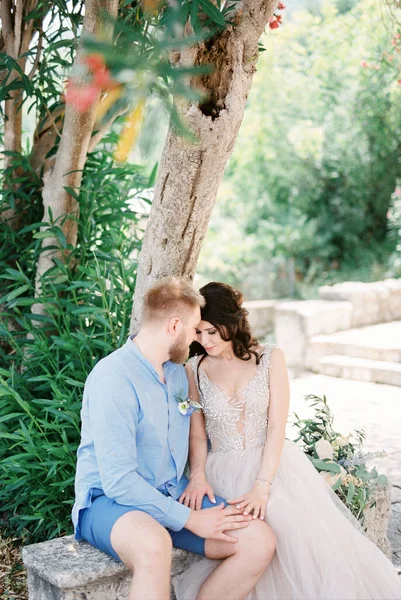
{"points": [[373, 302], [296, 322], [64, 569], [261, 316], [377, 518]]}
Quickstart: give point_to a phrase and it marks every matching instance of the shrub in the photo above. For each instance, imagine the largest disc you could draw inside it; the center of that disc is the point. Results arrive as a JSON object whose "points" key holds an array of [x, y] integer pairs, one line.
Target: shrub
{"points": [[45, 358], [339, 459]]}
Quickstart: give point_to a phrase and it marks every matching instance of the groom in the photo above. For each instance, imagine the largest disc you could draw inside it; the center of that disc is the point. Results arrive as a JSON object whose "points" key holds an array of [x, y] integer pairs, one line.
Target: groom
{"points": [[134, 447]]}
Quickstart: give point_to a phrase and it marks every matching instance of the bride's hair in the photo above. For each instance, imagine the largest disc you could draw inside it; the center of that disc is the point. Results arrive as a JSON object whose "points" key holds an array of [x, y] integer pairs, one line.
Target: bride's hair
{"points": [[224, 311]]}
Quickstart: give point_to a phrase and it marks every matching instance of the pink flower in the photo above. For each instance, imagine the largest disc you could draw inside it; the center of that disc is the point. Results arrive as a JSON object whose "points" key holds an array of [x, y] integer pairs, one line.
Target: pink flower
{"points": [[273, 23], [397, 191], [95, 61], [102, 79], [281, 6], [81, 97], [364, 64], [399, 82]]}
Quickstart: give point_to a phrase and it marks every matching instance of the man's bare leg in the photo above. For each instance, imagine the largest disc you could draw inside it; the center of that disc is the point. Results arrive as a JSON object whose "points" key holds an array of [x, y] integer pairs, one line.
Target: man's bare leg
{"points": [[244, 564], [145, 547]]}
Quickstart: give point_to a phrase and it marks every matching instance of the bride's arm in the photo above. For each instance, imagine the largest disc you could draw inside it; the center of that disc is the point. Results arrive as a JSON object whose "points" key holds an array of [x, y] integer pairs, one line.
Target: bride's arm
{"points": [[278, 415], [256, 499], [198, 485]]}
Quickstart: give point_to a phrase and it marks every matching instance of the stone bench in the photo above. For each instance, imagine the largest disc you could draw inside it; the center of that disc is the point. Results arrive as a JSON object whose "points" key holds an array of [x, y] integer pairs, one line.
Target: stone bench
{"points": [[64, 569]]}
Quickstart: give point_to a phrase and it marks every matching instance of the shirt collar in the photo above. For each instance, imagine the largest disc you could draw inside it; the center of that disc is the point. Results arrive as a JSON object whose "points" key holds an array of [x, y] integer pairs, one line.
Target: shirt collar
{"points": [[133, 349]]}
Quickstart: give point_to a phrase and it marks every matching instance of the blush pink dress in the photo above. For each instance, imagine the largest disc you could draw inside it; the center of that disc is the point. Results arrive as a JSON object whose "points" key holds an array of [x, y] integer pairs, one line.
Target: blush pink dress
{"points": [[322, 553]]}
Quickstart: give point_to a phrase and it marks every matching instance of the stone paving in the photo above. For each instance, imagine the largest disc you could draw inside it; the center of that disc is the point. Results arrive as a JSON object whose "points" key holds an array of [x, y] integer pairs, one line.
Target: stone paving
{"points": [[361, 405]]}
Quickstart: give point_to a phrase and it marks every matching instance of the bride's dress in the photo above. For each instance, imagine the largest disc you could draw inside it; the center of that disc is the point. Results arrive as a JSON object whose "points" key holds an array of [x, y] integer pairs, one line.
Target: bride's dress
{"points": [[321, 552]]}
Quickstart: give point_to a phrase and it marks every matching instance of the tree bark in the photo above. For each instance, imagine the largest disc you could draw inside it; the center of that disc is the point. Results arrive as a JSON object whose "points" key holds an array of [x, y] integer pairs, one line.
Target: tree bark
{"points": [[17, 34], [190, 173], [67, 169]]}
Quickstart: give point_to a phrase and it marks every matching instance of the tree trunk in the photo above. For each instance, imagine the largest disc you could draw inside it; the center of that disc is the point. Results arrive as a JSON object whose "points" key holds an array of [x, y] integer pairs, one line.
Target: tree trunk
{"points": [[71, 157], [17, 33], [190, 173]]}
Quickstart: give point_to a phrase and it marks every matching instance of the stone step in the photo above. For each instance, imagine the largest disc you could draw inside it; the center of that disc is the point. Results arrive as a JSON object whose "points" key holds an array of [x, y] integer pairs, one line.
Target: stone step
{"points": [[362, 369], [380, 342]]}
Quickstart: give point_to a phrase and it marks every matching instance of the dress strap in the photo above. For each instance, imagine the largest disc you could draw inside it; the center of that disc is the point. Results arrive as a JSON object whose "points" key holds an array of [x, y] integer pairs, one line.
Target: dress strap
{"points": [[194, 361], [267, 355]]}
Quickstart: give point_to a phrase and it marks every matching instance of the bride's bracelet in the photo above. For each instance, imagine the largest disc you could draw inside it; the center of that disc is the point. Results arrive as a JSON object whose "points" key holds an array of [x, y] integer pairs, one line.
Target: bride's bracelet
{"points": [[261, 479]]}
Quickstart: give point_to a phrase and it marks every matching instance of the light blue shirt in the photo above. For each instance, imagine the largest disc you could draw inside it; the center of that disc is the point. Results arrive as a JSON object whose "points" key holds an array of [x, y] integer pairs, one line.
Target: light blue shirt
{"points": [[134, 440]]}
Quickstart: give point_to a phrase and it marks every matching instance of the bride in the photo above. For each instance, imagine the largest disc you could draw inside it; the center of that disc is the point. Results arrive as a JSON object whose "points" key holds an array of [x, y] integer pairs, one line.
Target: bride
{"points": [[243, 389]]}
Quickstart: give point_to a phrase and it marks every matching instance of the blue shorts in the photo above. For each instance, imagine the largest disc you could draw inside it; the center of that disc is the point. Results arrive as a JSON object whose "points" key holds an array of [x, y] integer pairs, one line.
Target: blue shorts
{"points": [[97, 521]]}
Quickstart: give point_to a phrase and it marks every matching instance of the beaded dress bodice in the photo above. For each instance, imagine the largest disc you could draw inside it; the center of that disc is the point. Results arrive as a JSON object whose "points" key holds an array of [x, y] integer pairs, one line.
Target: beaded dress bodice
{"points": [[235, 422]]}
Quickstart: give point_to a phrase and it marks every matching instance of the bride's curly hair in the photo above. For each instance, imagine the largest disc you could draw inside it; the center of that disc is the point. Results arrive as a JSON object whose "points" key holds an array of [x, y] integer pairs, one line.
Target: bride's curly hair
{"points": [[223, 309]]}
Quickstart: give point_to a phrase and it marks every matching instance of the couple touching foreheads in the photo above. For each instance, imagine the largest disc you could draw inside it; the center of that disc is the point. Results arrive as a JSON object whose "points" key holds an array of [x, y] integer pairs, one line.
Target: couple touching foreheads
{"points": [[264, 524]]}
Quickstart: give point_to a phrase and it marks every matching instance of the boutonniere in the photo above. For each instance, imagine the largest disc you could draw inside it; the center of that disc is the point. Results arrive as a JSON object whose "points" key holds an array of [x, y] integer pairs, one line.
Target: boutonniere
{"points": [[186, 406]]}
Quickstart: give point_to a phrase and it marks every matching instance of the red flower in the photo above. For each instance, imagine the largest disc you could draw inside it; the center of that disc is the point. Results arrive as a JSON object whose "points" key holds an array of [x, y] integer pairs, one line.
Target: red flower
{"points": [[102, 79], [95, 62], [281, 6], [278, 18], [82, 97], [273, 24]]}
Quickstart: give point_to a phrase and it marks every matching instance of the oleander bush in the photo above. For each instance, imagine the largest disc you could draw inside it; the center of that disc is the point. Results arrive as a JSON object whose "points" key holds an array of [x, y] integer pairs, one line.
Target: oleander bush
{"points": [[45, 358]]}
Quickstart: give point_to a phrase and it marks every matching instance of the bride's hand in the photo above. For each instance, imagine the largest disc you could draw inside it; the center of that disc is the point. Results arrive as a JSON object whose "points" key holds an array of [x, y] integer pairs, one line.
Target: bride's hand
{"points": [[197, 488], [254, 501]]}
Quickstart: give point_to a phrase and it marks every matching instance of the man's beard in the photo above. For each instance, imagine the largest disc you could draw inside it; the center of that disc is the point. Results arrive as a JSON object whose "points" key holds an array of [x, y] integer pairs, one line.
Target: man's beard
{"points": [[179, 351]]}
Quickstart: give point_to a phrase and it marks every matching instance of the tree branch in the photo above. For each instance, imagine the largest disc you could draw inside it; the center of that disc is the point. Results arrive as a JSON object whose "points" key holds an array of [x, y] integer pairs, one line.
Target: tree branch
{"points": [[98, 136], [18, 27], [37, 57], [7, 20]]}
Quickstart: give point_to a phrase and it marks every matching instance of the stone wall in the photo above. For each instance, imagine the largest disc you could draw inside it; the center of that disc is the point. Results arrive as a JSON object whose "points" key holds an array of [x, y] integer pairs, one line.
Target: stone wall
{"points": [[375, 302], [261, 316], [341, 306]]}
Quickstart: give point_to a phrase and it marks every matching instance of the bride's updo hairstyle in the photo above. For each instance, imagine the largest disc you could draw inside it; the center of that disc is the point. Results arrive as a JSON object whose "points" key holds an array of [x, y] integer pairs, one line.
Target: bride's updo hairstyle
{"points": [[223, 309]]}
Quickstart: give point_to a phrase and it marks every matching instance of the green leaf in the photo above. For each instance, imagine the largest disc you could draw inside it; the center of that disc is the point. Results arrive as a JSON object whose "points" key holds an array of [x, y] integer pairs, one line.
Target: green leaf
{"points": [[213, 12], [337, 484], [72, 192], [153, 175], [15, 293], [42, 235], [350, 493], [322, 465]]}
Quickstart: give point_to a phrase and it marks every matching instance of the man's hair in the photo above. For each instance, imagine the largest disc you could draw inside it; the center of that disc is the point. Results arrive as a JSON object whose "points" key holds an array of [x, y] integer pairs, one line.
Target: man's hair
{"points": [[171, 296]]}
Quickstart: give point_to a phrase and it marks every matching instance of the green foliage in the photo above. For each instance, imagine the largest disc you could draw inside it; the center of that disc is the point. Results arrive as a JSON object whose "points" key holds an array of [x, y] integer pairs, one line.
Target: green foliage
{"points": [[316, 161], [340, 460], [49, 343], [45, 358], [394, 219]]}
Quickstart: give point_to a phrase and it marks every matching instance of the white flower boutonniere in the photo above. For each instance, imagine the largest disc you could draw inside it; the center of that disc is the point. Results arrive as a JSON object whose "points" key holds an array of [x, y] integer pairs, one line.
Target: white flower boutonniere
{"points": [[186, 406]]}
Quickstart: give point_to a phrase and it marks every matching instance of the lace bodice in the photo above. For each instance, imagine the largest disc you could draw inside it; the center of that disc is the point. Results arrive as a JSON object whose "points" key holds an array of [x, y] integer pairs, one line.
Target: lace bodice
{"points": [[235, 422]]}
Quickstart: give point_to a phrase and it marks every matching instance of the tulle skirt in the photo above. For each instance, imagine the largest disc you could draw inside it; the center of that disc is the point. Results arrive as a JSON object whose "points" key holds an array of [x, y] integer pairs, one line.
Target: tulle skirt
{"points": [[321, 552]]}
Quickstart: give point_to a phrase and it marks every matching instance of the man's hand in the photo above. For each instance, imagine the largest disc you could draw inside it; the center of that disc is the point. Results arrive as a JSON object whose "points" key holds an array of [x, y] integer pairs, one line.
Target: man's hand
{"points": [[197, 487], [211, 523]]}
